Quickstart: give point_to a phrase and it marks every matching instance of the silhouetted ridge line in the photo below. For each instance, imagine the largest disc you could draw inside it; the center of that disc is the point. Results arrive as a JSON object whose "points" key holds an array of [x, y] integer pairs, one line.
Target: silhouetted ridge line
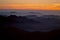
{"points": [[9, 29]]}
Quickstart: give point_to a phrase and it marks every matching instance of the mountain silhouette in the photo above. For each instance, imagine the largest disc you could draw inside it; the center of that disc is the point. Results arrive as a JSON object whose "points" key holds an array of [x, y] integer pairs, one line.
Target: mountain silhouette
{"points": [[47, 27]]}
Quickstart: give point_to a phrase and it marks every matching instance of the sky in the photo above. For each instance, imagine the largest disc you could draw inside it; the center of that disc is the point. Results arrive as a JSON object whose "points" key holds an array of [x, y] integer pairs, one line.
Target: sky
{"points": [[30, 4]]}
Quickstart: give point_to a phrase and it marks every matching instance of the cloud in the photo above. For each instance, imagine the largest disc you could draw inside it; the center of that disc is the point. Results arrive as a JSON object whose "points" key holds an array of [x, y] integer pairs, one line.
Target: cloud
{"points": [[31, 6]]}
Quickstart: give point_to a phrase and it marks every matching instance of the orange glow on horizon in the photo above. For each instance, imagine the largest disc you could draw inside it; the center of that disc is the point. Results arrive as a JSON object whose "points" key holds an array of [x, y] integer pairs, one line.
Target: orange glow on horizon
{"points": [[31, 6]]}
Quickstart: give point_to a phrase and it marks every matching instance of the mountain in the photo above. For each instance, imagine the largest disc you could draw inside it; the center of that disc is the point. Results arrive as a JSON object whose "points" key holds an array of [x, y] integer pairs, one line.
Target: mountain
{"points": [[21, 28]]}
